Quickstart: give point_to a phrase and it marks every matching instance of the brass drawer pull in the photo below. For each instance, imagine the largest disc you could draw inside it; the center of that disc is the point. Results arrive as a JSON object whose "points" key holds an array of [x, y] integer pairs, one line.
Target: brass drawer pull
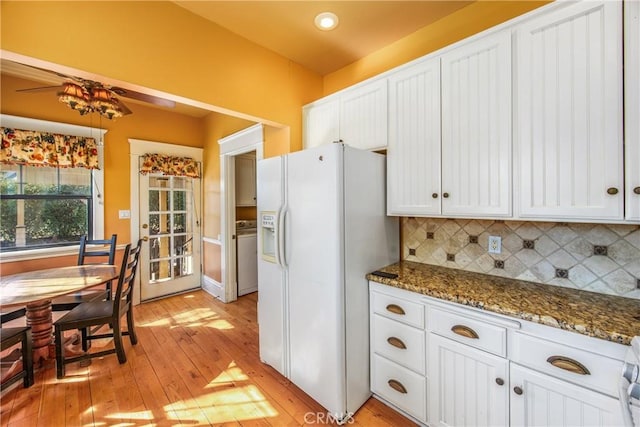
{"points": [[568, 365], [396, 342], [396, 309], [612, 191], [397, 386], [464, 331]]}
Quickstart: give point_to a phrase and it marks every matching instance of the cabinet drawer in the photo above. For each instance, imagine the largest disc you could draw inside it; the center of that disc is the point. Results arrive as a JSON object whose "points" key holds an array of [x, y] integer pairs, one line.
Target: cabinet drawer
{"points": [[399, 342], [398, 309], [405, 389], [475, 333], [598, 372]]}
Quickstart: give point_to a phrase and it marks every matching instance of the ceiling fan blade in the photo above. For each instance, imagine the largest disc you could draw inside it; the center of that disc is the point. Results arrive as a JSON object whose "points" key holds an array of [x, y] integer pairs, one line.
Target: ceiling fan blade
{"points": [[39, 89], [125, 110], [144, 97]]}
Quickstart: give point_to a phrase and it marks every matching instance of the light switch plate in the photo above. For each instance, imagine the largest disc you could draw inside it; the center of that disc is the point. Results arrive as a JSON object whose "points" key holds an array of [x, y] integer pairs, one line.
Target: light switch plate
{"points": [[495, 244], [124, 214]]}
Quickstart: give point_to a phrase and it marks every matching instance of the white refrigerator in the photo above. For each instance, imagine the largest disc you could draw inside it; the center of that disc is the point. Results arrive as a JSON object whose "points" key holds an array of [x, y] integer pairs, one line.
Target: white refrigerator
{"points": [[322, 226]]}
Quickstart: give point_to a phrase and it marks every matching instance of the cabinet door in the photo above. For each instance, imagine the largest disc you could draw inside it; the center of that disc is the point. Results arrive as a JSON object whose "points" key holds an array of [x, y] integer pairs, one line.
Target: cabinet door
{"points": [[632, 107], [541, 400], [467, 387], [476, 128], [245, 181], [413, 154], [363, 116], [569, 113], [321, 122]]}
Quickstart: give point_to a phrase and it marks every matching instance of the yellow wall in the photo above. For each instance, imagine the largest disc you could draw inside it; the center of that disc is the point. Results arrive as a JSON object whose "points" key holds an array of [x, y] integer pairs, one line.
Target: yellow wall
{"points": [[465, 22], [162, 46], [145, 123]]}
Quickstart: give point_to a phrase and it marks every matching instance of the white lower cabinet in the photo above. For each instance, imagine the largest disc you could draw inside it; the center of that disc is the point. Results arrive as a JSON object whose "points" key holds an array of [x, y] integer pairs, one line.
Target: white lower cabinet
{"points": [[467, 387], [462, 366], [541, 400]]}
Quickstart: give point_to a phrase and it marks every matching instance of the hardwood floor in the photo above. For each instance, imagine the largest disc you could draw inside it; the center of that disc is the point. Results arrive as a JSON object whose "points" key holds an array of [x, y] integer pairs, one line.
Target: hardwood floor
{"points": [[196, 364]]}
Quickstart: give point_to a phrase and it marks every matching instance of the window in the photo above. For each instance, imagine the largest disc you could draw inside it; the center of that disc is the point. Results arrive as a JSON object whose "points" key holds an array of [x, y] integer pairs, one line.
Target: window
{"points": [[44, 206]]}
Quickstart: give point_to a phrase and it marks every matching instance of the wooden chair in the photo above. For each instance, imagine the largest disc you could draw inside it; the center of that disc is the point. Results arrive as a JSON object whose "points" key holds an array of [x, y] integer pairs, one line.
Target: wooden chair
{"points": [[91, 252], [10, 337], [102, 313]]}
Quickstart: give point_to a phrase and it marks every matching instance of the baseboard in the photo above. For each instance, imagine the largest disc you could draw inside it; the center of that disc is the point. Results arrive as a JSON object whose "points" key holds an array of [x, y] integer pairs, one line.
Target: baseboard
{"points": [[213, 287]]}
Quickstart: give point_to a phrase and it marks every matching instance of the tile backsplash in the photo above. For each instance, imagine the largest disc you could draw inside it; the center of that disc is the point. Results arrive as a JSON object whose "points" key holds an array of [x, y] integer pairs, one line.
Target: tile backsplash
{"points": [[602, 258]]}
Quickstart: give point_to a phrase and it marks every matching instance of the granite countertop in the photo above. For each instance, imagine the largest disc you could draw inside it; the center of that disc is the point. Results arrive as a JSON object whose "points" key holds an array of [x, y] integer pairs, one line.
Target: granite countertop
{"points": [[602, 316]]}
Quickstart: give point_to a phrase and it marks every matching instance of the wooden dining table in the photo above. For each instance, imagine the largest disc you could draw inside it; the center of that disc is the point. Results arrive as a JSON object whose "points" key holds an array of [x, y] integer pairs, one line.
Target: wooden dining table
{"points": [[34, 290]]}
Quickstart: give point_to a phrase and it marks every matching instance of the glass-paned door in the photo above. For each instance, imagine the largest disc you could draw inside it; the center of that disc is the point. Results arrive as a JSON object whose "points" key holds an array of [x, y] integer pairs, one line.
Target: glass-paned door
{"points": [[169, 217]]}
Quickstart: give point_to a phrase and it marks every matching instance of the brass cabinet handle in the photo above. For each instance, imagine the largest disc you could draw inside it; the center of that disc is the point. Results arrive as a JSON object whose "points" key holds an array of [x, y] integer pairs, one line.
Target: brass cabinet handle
{"points": [[517, 390], [499, 381], [636, 190], [445, 195], [568, 365], [612, 190], [396, 309], [397, 386], [464, 331], [145, 238], [435, 195], [396, 342]]}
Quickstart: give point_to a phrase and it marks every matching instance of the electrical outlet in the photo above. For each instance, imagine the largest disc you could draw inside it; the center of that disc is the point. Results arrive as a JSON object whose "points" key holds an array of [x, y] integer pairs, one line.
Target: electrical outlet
{"points": [[495, 244], [124, 214]]}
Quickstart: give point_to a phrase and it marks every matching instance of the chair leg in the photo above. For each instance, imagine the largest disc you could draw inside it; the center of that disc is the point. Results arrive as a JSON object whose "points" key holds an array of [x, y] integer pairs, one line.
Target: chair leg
{"points": [[59, 352], [131, 326], [85, 341], [117, 341], [27, 359]]}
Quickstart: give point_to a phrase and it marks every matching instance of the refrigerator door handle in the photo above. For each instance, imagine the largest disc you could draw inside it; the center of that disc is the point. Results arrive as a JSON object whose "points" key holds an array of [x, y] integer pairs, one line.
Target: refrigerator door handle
{"points": [[277, 238], [282, 255]]}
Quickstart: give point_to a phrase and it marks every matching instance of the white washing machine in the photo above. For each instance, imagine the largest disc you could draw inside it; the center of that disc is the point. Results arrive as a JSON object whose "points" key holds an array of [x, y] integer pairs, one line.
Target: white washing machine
{"points": [[247, 256]]}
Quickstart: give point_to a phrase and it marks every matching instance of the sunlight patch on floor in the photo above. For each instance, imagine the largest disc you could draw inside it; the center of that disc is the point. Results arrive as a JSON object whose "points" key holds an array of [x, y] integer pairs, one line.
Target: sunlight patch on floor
{"points": [[140, 415], [229, 404], [220, 324]]}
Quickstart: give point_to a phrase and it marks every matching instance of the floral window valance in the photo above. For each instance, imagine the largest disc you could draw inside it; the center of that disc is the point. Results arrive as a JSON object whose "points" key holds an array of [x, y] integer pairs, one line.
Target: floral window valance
{"points": [[169, 165], [34, 148]]}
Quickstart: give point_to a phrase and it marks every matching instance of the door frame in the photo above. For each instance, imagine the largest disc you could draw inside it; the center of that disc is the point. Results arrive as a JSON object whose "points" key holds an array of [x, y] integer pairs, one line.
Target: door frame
{"points": [[244, 141], [138, 148]]}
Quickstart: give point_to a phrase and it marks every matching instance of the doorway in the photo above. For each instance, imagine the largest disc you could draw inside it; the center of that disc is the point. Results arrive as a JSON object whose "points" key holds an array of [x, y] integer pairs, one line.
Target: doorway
{"points": [[232, 148], [166, 214]]}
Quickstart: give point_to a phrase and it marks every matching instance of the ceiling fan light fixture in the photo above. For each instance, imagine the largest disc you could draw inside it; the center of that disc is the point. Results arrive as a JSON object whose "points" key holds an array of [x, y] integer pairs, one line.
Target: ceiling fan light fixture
{"points": [[326, 21], [76, 97], [102, 101]]}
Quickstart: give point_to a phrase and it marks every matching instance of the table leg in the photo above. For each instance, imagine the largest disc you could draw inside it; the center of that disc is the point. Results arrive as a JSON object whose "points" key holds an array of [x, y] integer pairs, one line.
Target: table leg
{"points": [[39, 317]]}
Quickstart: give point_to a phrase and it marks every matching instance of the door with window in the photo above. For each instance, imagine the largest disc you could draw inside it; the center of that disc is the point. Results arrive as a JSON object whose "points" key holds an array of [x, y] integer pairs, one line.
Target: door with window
{"points": [[170, 228]]}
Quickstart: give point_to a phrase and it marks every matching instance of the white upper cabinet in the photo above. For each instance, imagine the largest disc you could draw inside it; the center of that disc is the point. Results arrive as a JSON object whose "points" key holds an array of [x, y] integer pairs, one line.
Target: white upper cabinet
{"points": [[245, 180], [363, 116], [450, 133], [632, 108], [413, 155], [569, 113], [321, 122], [476, 127], [356, 116]]}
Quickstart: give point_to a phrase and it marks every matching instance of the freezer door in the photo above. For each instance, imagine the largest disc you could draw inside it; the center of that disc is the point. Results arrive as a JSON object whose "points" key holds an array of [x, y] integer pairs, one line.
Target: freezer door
{"points": [[272, 319], [313, 253]]}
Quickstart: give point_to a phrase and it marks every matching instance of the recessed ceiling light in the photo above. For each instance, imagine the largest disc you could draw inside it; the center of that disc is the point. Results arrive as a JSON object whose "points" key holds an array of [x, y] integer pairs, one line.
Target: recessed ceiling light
{"points": [[326, 21]]}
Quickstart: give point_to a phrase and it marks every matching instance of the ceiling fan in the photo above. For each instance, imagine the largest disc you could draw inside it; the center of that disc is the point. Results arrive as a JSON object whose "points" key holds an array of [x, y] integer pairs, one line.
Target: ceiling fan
{"points": [[87, 96]]}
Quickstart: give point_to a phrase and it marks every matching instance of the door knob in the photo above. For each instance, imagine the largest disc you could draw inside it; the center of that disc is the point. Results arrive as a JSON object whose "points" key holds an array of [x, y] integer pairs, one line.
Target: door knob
{"points": [[612, 190], [445, 195], [434, 195], [499, 381], [636, 190], [145, 238], [517, 390], [145, 225]]}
